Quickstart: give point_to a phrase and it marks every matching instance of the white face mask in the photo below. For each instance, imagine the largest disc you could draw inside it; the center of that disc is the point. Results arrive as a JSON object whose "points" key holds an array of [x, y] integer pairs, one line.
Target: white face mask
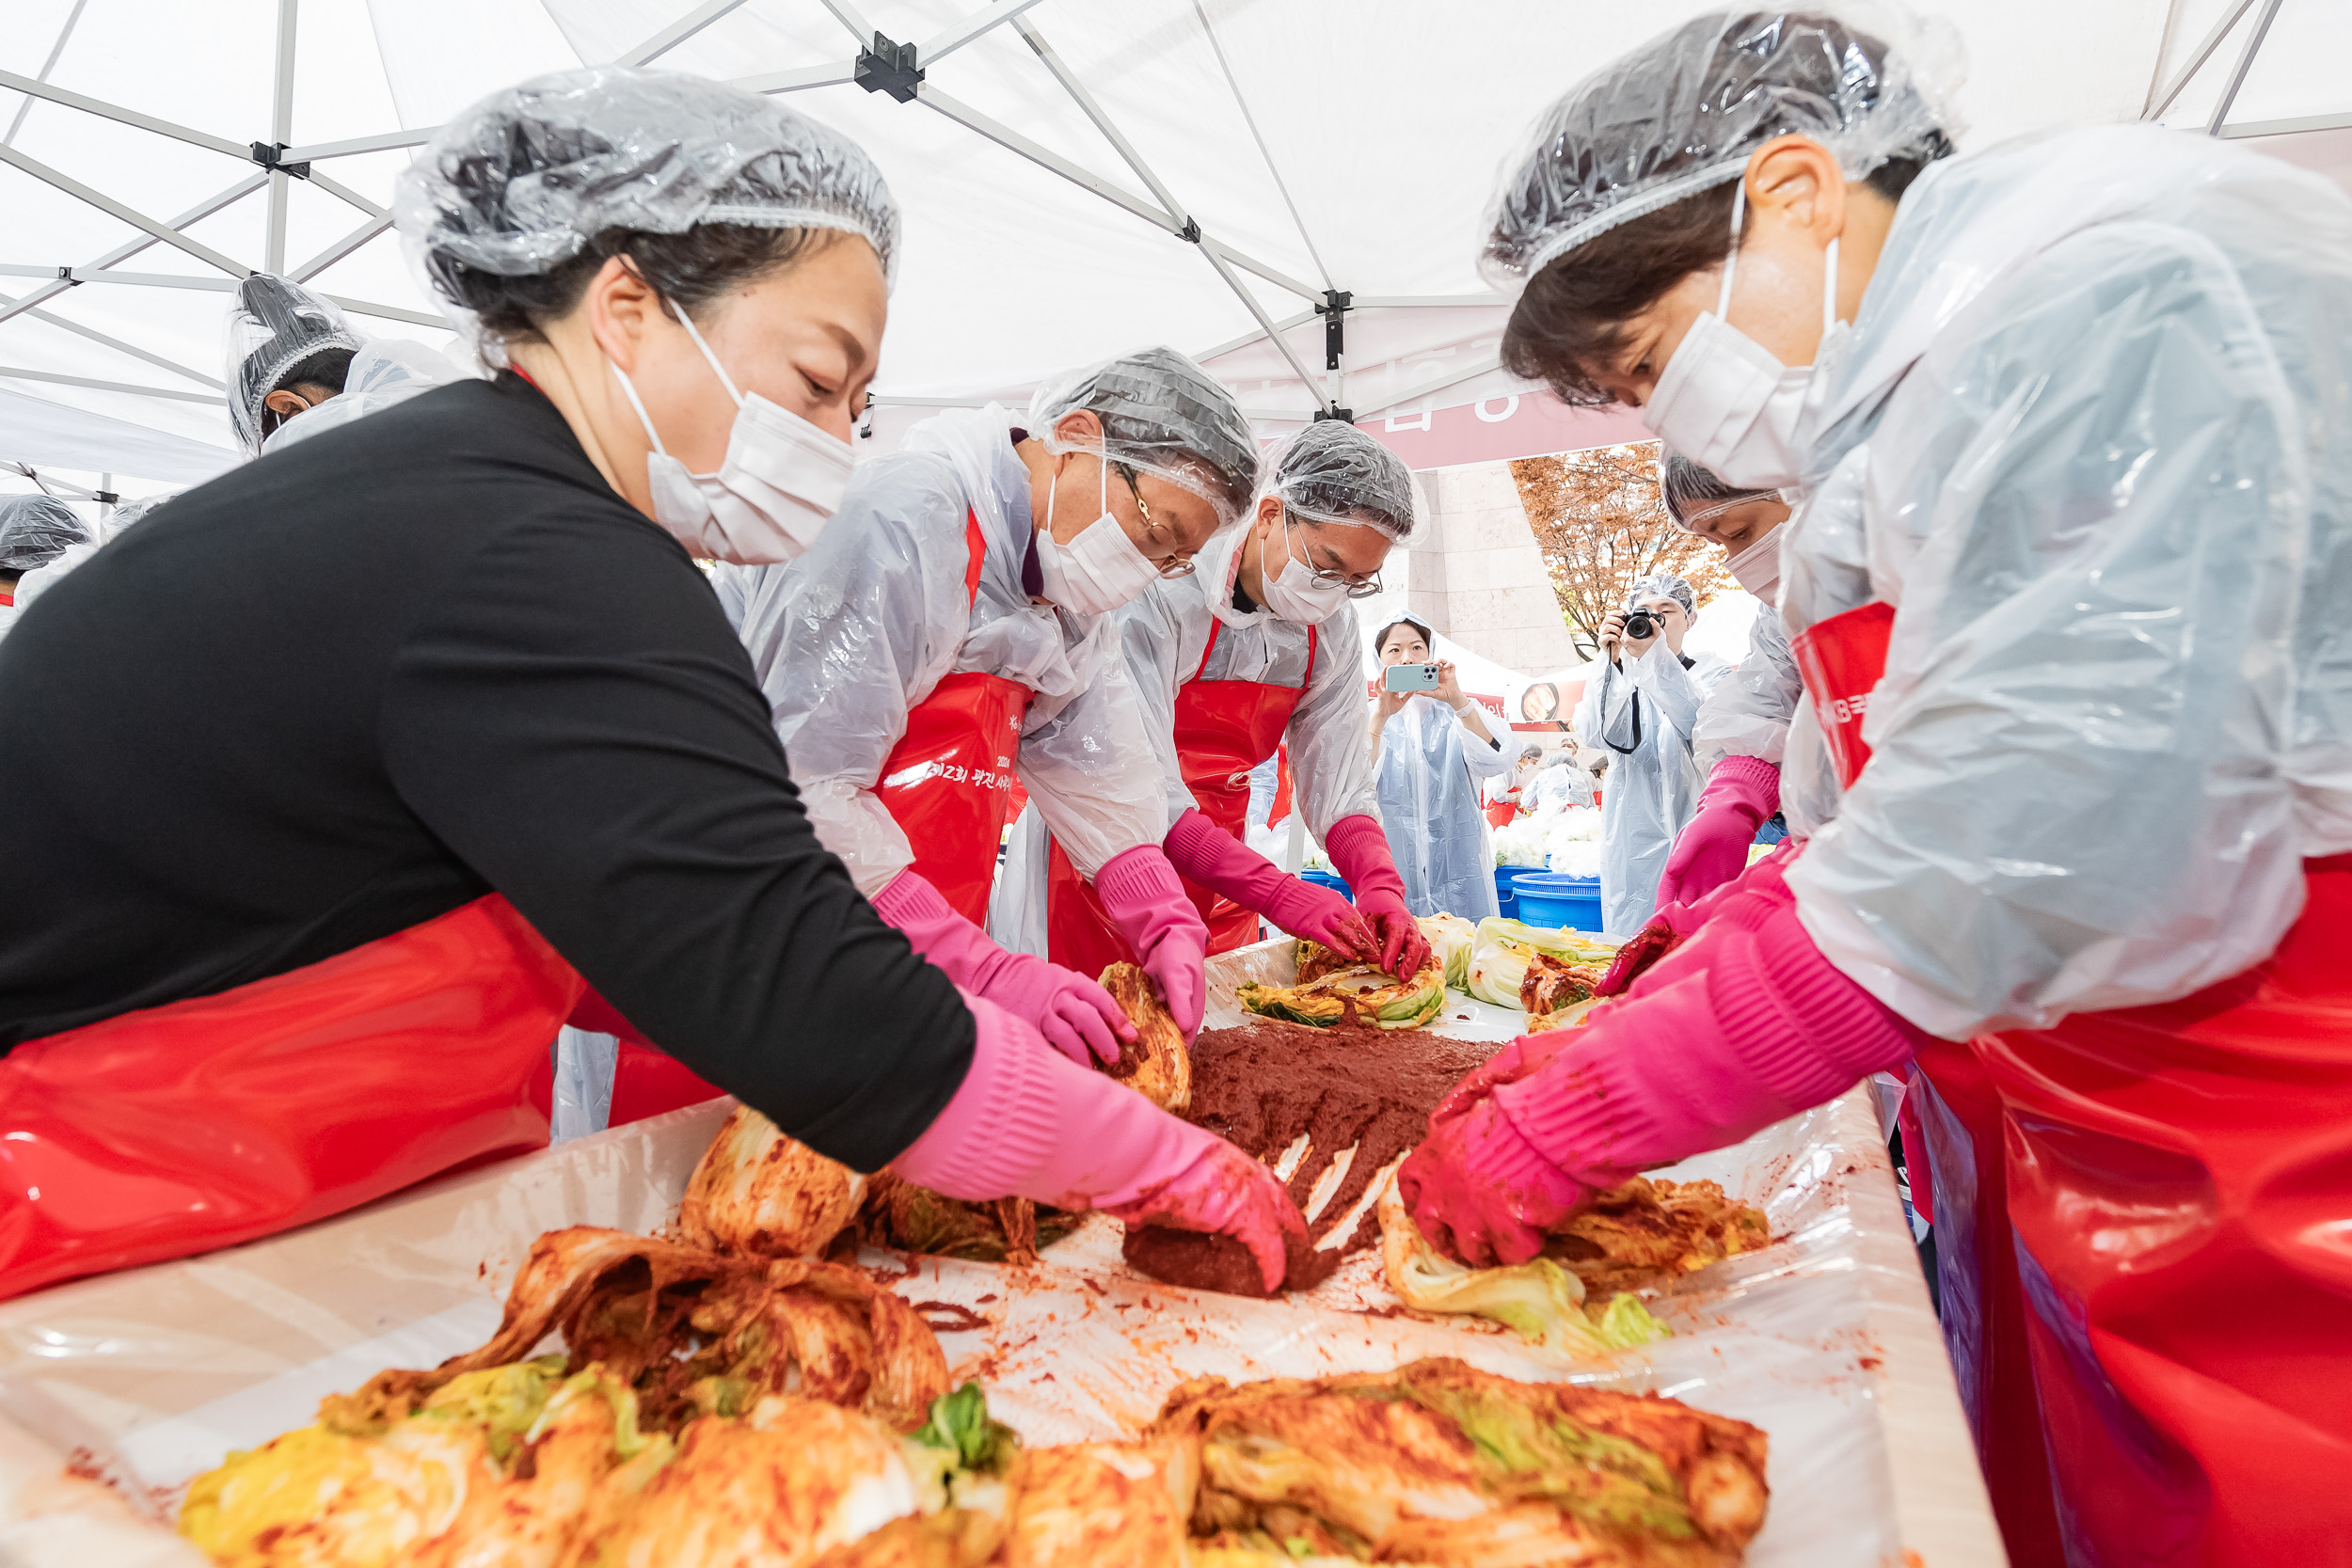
{"points": [[781, 478], [1757, 567], [1293, 594], [1724, 401], [1099, 570]]}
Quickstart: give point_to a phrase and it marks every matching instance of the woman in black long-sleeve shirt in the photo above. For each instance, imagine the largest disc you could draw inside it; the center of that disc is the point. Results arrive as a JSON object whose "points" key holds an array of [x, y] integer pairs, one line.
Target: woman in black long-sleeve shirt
{"points": [[273, 770]]}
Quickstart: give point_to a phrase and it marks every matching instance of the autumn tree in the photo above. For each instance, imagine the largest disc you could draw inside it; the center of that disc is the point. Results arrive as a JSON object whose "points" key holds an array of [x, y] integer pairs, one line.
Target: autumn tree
{"points": [[1602, 525]]}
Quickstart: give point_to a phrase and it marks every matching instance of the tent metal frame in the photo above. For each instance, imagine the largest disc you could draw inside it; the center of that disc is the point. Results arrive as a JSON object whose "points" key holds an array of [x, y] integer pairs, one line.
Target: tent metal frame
{"points": [[281, 162], [2163, 93], [879, 65]]}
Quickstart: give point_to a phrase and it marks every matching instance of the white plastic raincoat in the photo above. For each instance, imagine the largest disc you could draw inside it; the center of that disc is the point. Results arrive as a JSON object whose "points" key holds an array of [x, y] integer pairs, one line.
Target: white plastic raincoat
{"points": [[2071, 437], [1644, 710], [1163, 635], [383, 372], [851, 636], [1427, 775], [1562, 785]]}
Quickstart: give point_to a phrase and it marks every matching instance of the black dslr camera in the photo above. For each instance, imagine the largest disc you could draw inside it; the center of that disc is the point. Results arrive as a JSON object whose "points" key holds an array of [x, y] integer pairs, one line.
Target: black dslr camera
{"points": [[1640, 625]]}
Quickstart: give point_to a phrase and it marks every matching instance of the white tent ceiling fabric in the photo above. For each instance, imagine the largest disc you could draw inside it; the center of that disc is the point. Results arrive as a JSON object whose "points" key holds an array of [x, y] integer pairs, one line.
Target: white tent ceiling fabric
{"points": [[1383, 124]]}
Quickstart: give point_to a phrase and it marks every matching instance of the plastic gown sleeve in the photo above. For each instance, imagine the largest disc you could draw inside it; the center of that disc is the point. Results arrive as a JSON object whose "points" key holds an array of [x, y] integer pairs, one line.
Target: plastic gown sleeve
{"points": [[1670, 695], [1091, 763], [1329, 760], [1747, 715], [2092, 501], [847, 638], [1152, 637]]}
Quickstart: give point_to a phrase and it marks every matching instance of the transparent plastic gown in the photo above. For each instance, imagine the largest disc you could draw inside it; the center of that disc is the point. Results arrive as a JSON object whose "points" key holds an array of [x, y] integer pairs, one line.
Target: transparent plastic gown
{"points": [[1163, 635], [2088, 437], [383, 372], [850, 637], [1652, 788], [1427, 775]]}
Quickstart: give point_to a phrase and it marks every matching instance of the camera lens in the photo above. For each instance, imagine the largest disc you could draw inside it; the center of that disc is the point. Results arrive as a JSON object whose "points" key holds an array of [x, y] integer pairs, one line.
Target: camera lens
{"points": [[1640, 625]]}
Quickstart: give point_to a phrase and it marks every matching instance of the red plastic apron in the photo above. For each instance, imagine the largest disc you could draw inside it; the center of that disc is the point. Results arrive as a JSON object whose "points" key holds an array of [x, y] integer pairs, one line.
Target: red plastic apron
{"points": [[179, 1128], [1223, 729], [948, 783], [2150, 1211]]}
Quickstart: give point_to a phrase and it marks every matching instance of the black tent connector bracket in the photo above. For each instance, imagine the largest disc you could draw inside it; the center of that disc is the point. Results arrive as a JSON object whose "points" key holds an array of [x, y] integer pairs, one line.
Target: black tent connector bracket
{"points": [[889, 68], [267, 156], [1345, 415], [1190, 233], [66, 275], [105, 498], [1334, 313]]}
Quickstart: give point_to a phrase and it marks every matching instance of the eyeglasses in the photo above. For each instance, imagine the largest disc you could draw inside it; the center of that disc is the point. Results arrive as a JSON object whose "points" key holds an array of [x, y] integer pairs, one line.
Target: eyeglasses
{"points": [[1355, 587], [1168, 563]]}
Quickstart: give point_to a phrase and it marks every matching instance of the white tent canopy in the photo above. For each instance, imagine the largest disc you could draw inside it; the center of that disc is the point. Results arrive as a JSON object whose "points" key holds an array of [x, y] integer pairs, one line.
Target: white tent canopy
{"points": [[1079, 177]]}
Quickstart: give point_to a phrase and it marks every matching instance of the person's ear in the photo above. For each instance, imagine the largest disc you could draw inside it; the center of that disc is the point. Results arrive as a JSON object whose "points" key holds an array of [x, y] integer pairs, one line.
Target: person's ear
{"points": [[621, 307], [1794, 182], [285, 404], [1080, 427], [1269, 518]]}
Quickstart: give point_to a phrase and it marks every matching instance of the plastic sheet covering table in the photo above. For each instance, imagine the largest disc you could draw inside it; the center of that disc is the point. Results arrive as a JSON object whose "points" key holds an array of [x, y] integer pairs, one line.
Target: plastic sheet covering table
{"points": [[1825, 1339]]}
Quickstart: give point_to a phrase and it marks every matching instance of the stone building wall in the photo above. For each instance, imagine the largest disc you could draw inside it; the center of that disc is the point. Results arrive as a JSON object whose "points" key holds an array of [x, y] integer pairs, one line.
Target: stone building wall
{"points": [[1477, 575]]}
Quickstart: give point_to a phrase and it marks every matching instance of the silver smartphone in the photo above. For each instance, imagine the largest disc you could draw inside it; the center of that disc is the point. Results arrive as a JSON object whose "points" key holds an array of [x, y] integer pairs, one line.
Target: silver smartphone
{"points": [[1411, 677]]}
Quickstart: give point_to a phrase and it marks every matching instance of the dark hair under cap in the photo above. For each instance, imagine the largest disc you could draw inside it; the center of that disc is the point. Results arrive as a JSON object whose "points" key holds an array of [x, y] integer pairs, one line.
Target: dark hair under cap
{"points": [[1688, 488]]}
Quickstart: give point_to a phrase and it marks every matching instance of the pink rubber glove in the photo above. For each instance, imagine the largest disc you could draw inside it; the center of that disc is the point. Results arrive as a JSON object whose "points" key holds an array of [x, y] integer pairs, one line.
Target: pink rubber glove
{"points": [[1208, 854], [1359, 853], [1746, 1023], [1713, 849], [1029, 1123], [1672, 923], [1142, 895], [1076, 1016]]}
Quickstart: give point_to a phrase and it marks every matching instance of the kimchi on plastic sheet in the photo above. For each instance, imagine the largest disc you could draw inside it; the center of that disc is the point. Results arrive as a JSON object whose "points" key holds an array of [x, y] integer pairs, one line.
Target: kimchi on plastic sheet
{"points": [[1823, 1339]]}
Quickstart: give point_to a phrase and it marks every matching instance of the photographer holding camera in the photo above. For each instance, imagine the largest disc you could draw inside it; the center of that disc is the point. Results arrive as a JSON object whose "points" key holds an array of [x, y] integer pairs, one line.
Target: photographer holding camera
{"points": [[1642, 705]]}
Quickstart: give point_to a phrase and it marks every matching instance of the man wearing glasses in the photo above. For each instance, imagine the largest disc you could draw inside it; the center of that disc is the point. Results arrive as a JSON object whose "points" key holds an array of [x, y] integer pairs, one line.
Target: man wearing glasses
{"points": [[951, 631], [1256, 648]]}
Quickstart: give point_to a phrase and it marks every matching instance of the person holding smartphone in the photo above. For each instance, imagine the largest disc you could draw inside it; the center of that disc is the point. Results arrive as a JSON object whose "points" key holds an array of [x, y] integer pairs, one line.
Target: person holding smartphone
{"points": [[1430, 747], [1643, 706]]}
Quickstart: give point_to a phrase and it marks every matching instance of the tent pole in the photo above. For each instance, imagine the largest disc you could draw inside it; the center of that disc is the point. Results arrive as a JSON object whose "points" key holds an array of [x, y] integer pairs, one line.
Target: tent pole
{"points": [[1454, 376], [2245, 64], [115, 112], [2196, 59], [97, 337], [850, 17], [940, 45], [55, 51], [1216, 256], [794, 81], [1248, 338], [389, 312], [385, 141], [129, 248], [677, 32], [280, 127], [17, 372], [344, 194], [1264, 152], [341, 248], [108, 205], [1013, 141]]}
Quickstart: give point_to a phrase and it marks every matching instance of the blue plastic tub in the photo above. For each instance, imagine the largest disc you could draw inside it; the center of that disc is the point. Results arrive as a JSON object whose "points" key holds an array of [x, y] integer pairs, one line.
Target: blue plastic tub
{"points": [[1549, 898], [1324, 879], [1507, 897]]}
